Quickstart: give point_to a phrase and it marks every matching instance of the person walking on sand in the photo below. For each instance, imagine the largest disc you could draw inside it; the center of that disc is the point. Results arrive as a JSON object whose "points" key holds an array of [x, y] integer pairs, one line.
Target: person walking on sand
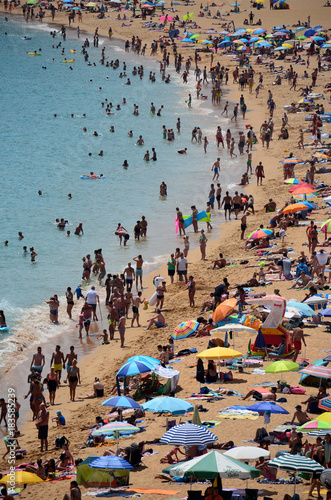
{"points": [[203, 243], [259, 173], [87, 311], [218, 196], [57, 361], [53, 309], [139, 271], [301, 143], [136, 302], [70, 301], [243, 226], [74, 379], [92, 299], [42, 426], [191, 290], [121, 328], [298, 337], [232, 145], [38, 361], [69, 358], [194, 218]]}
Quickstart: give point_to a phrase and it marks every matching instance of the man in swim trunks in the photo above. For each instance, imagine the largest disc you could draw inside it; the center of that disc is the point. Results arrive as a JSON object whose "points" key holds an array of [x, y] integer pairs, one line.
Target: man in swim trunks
{"points": [[297, 337], [236, 203], [211, 197], [70, 357], [227, 202], [112, 317], [136, 301], [38, 361], [42, 426], [139, 272], [129, 275], [216, 168], [92, 299], [259, 173], [87, 311], [158, 320], [218, 196], [143, 226], [58, 361]]}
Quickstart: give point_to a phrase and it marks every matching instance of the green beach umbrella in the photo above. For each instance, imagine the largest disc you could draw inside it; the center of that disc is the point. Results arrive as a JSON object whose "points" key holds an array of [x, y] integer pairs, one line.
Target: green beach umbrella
{"points": [[296, 463], [211, 465], [32, 2], [282, 366], [194, 36], [314, 425]]}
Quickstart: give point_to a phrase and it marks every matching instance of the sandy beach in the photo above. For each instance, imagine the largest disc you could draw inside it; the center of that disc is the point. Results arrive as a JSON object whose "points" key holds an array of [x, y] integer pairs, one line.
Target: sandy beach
{"points": [[105, 360]]}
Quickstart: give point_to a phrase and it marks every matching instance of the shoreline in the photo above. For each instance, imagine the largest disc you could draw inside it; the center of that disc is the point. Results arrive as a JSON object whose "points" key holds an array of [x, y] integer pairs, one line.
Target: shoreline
{"points": [[109, 360]]}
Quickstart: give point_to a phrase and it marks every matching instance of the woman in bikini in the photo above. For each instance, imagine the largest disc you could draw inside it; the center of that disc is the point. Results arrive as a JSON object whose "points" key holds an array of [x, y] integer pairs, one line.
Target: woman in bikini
{"points": [[70, 301], [74, 378]]}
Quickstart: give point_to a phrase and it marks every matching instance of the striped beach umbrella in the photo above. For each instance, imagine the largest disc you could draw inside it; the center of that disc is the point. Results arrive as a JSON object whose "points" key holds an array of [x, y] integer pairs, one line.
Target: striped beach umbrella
{"points": [[212, 465], [165, 404], [315, 425], [317, 371], [326, 226], [296, 463], [121, 428], [325, 403], [308, 196], [188, 435], [322, 155], [260, 233], [185, 329]]}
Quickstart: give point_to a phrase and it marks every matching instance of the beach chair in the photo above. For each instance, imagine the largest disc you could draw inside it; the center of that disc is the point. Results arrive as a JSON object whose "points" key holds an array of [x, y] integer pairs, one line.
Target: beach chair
{"points": [[279, 353]]}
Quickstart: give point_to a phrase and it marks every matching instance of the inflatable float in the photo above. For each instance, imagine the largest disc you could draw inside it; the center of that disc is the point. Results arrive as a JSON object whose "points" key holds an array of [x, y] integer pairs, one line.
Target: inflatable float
{"points": [[72, 51], [33, 54], [25, 37], [188, 219], [157, 280], [93, 177], [70, 61]]}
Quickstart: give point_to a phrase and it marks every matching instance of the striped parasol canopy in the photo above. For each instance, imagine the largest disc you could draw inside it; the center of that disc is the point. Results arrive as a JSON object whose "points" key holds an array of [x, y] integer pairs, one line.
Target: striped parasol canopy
{"points": [[296, 463], [314, 425], [185, 329], [292, 160], [317, 371], [116, 427], [321, 155], [307, 196], [188, 435], [325, 417], [325, 403]]}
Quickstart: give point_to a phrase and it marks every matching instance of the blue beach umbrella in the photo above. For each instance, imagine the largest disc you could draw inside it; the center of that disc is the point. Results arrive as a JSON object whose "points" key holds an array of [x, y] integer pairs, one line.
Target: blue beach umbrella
{"points": [[121, 402], [309, 33], [147, 359], [325, 312], [304, 308], [173, 33], [225, 43], [131, 368], [188, 435], [264, 406], [165, 404], [260, 342], [187, 40]]}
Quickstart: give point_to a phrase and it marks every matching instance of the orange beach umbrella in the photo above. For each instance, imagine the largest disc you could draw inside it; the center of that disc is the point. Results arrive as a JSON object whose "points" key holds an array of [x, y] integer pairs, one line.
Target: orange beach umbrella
{"points": [[224, 309]]}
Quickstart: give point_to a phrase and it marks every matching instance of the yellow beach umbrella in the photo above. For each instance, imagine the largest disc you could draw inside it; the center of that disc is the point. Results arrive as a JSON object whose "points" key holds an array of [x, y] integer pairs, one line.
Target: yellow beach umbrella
{"points": [[287, 45], [21, 477], [219, 353], [325, 417]]}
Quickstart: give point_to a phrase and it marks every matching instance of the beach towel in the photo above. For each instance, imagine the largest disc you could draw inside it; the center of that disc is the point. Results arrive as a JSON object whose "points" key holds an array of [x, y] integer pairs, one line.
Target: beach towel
{"points": [[261, 390]]}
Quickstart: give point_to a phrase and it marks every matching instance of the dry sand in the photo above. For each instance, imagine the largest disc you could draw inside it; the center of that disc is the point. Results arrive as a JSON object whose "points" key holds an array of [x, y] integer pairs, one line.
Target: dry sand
{"points": [[105, 360]]}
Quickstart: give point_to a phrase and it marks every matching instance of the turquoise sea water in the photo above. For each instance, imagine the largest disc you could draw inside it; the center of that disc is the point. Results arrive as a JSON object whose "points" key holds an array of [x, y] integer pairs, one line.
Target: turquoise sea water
{"points": [[41, 152]]}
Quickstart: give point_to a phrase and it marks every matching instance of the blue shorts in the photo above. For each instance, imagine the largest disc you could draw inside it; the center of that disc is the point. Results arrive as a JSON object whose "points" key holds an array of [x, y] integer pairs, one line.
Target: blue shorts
{"points": [[159, 325], [212, 199], [139, 272]]}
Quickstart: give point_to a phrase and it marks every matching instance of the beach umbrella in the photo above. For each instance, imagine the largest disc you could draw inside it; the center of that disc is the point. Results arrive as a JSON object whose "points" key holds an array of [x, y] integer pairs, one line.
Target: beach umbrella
{"points": [[315, 425], [185, 329], [33, 2], [325, 403], [264, 44], [287, 45], [165, 404], [223, 32], [296, 463], [282, 366], [292, 161], [259, 233], [305, 308], [225, 43], [297, 207], [206, 42], [326, 226], [258, 31], [224, 309], [233, 327], [91, 4], [305, 197], [264, 406], [326, 313], [293, 312], [121, 402], [310, 32], [173, 33], [280, 48], [219, 353], [321, 155], [254, 39], [113, 428], [260, 342], [110, 462], [242, 48], [301, 28], [301, 37], [194, 36], [188, 435], [309, 206], [318, 38], [304, 101], [324, 417], [247, 453], [21, 477], [212, 465], [316, 299], [317, 371], [145, 359], [293, 180], [131, 368], [187, 40], [302, 189]]}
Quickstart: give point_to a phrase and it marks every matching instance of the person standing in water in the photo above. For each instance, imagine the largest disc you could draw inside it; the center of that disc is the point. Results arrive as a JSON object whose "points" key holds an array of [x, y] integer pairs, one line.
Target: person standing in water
{"points": [[180, 220], [70, 301]]}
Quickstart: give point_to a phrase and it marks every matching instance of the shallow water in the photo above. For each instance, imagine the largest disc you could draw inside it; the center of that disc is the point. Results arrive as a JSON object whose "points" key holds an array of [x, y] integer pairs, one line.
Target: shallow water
{"points": [[42, 152]]}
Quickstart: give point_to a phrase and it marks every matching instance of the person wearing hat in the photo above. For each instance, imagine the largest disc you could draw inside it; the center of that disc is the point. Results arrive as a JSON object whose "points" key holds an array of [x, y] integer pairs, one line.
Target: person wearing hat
{"points": [[300, 415], [59, 419]]}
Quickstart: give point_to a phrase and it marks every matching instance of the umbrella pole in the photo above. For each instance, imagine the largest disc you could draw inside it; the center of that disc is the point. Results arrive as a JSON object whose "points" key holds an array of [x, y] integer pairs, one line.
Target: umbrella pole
{"points": [[295, 481]]}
